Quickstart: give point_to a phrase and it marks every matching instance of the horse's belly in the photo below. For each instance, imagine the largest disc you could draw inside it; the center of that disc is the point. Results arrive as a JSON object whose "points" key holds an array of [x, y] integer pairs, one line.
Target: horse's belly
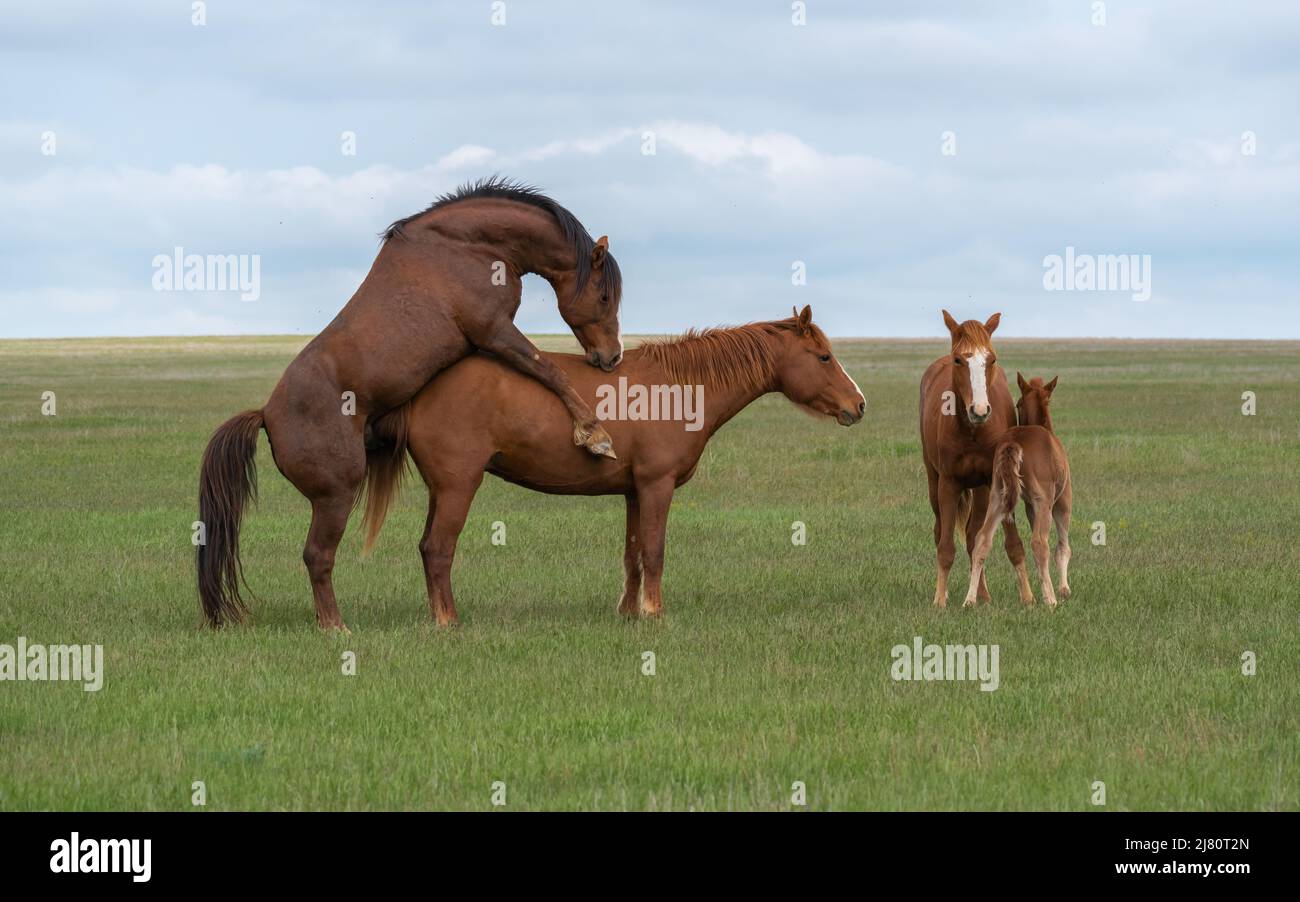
{"points": [[589, 476]]}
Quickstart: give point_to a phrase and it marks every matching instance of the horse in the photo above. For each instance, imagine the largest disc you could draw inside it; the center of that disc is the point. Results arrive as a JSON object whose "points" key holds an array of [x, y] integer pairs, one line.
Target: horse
{"points": [[446, 281], [1030, 455], [480, 416], [965, 406]]}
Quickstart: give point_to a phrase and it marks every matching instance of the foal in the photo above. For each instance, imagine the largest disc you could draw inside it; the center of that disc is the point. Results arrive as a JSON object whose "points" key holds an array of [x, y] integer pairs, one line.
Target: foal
{"points": [[965, 407], [1030, 455], [481, 415]]}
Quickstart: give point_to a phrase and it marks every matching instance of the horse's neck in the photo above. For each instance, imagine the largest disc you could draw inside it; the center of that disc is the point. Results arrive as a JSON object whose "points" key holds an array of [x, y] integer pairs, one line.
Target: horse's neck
{"points": [[725, 402], [527, 238]]}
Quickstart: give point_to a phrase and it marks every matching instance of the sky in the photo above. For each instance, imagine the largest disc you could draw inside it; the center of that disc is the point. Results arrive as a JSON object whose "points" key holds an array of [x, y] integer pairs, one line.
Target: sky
{"points": [[879, 161]]}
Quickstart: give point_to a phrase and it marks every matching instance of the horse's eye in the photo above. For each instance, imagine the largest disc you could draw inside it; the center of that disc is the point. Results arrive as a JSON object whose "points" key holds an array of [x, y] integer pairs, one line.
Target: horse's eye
{"points": [[604, 299], [825, 358], [959, 361], [992, 360]]}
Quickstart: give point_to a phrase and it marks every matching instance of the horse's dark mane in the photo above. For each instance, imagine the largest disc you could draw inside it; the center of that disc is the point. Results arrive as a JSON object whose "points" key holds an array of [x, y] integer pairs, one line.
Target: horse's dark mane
{"points": [[502, 188], [726, 356]]}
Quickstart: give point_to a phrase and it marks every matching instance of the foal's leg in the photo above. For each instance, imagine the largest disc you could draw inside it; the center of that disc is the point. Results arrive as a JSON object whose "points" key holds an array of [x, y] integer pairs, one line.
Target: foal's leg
{"points": [[447, 513], [653, 500], [1016, 553], [949, 495], [1061, 514], [628, 604], [1040, 530], [974, 524], [980, 551]]}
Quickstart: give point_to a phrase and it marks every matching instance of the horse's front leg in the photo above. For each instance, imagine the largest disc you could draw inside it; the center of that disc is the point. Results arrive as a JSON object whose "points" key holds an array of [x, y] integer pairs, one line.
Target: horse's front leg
{"points": [[629, 604], [512, 346], [949, 494], [653, 499]]}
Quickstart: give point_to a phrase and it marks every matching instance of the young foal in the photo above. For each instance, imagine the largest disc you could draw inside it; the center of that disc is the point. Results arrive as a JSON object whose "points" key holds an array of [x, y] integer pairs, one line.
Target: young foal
{"points": [[480, 415], [965, 406], [1030, 455]]}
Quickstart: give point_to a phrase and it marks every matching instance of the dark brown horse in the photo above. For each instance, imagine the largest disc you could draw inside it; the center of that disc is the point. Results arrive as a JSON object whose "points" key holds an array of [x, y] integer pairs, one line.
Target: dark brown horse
{"points": [[446, 281], [482, 416], [1030, 455], [965, 407]]}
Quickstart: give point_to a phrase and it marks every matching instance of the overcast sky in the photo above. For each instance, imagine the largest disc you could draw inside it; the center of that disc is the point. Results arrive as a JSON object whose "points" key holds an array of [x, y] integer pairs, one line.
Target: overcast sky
{"points": [[1169, 131]]}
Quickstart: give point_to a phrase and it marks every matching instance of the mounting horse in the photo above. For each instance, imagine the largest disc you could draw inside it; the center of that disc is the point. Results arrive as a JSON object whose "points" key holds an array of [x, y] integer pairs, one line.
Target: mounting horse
{"points": [[965, 407], [446, 281], [1030, 455], [482, 416]]}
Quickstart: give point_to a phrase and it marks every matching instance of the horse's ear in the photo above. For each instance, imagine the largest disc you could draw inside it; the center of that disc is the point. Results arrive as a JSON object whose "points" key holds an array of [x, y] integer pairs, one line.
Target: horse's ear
{"points": [[1051, 386], [991, 323], [1020, 381], [805, 318], [951, 323], [598, 252]]}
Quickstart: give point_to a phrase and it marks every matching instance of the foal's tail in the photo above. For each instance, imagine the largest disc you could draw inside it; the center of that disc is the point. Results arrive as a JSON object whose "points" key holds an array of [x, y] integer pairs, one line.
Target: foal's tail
{"points": [[227, 481], [1005, 493], [385, 467]]}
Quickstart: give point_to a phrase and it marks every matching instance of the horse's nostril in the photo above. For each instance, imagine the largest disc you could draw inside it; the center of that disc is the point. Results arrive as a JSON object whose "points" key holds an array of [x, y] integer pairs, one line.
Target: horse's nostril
{"points": [[862, 408]]}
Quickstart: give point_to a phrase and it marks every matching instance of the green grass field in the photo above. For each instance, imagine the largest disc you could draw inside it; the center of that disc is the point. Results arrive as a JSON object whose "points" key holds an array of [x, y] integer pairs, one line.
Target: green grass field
{"points": [[772, 661]]}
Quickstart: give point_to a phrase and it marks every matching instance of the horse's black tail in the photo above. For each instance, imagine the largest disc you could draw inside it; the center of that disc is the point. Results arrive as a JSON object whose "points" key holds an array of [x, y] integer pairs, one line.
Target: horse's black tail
{"points": [[385, 467], [227, 481]]}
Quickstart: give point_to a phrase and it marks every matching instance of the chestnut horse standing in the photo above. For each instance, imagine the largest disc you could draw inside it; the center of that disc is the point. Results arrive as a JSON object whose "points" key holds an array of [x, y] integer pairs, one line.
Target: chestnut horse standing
{"points": [[482, 416], [965, 407], [446, 281], [1030, 455]]}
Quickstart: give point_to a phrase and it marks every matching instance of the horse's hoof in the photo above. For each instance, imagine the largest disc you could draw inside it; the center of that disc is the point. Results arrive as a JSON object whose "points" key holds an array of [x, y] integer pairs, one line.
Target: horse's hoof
{"points": [[969, 603], [336, 629], [1063, 592]]}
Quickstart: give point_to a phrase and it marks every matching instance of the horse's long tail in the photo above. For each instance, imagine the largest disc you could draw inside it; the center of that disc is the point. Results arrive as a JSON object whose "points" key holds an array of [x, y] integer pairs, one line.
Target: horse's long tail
{"points": [[1006, 478], [227, 481], [385, 467]]}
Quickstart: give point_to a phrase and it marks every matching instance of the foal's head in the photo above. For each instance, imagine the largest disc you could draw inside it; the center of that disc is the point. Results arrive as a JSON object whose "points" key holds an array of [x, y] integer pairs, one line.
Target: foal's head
{"points": [[1031, 409], [809, 375], [973, 363], [590, 305]]}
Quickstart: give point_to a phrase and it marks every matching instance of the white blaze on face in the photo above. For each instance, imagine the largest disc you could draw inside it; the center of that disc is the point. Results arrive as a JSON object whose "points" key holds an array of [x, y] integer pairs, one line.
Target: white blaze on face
{"points": [[850, 378], [979, 388]]}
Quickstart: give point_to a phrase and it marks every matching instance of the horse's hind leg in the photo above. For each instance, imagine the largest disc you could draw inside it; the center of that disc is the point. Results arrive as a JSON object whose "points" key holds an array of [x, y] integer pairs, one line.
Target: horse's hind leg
{"points": [[1016, 554], [628, 605], [448, 509], [983, 542], [1061, 514], [1041, 527], [979, 503], [320, 451]]}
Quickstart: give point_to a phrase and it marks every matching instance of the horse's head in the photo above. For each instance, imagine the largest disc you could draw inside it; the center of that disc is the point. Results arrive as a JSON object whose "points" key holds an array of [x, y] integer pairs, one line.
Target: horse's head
{"points": [[1035, 396], [810, 376], [973, 363], [590, 306]]}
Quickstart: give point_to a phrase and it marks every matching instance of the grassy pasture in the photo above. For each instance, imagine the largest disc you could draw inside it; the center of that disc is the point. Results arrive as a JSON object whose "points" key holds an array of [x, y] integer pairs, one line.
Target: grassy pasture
{"points": [[772, 662]]}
